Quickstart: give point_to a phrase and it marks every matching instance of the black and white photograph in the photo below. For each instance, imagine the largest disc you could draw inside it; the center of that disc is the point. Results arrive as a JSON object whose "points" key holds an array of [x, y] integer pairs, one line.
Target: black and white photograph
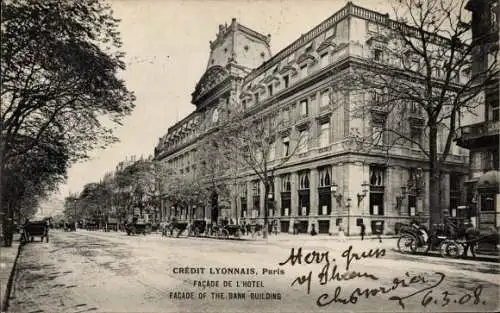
{"points": [[234, 156]]}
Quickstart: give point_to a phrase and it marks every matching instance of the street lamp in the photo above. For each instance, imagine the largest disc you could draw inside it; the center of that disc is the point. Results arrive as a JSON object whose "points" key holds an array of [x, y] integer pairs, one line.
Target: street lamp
{"points": [[338, 196], [348, 205], [365, 187]]}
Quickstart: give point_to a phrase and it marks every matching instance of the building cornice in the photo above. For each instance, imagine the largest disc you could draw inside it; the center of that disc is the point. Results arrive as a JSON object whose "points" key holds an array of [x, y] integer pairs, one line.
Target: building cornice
{"points": [[348, 10]]}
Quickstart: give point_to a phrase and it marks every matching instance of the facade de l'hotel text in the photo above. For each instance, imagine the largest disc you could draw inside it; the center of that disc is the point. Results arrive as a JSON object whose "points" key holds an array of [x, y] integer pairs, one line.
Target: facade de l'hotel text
{"points": [[329, 184]]}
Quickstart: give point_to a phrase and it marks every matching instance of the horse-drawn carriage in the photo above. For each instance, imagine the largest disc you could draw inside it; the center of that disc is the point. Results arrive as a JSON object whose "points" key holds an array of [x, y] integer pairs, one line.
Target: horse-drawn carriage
{"points": [[137, 227], [174, 228], [35, 229], [226, 231], [453, 238]]}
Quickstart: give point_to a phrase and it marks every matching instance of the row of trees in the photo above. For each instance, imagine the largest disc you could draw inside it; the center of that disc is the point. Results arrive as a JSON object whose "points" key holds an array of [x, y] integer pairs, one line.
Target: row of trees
{"points": [[60, 95], [424, 59], [138, 185]]}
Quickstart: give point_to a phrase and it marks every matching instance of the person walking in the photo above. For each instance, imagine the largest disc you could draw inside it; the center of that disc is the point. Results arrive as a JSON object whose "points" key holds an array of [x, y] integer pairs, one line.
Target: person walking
{"points": [[363, 230]]}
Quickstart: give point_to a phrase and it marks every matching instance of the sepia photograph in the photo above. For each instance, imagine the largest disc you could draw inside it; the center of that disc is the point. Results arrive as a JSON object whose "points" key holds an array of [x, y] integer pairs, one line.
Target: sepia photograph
{"points": [[234, 156]]}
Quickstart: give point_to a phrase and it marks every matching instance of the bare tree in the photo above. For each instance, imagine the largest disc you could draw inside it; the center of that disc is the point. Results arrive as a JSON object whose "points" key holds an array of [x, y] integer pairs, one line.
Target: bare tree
{"points": [[248, 142], [416, 83]]}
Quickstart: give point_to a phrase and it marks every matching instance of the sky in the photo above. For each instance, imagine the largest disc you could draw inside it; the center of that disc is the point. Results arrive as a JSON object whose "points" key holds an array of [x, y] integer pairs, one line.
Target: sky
{"points": [[167, 48]]}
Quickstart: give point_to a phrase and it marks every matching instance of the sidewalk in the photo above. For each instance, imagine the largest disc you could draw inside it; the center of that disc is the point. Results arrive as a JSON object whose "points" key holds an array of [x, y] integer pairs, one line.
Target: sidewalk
{"points": [[8, 258]]}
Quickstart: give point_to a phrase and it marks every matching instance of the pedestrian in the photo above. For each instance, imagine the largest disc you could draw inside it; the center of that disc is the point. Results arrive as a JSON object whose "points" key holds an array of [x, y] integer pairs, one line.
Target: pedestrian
{"points": [[363, 230], [313, 230], [342, 237]]}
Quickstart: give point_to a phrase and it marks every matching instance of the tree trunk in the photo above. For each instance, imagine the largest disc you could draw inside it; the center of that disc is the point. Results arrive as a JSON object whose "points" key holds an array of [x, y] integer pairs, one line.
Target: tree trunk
{"points": [[434, 178], [265, 231]]}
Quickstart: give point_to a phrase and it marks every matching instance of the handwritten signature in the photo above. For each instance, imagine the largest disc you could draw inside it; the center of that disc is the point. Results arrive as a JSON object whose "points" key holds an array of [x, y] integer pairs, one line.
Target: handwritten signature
{"points": [[330, 273]]}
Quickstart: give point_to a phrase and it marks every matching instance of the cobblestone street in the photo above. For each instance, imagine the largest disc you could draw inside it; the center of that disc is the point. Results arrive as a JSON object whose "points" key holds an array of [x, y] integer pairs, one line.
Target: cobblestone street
{"points": [[110, 272]]}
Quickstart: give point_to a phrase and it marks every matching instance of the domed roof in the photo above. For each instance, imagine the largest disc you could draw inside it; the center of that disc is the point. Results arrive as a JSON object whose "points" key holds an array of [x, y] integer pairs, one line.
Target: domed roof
{"points": [[489, 179]]}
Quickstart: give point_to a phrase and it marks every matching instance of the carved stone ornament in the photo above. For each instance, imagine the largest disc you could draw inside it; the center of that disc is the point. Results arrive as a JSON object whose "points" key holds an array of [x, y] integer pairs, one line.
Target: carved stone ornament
{"points": [[212, 77]]}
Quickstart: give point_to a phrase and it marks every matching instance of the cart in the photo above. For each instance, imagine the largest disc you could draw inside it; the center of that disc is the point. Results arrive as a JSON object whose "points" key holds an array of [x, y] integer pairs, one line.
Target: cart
{"points": [[35, 229]]}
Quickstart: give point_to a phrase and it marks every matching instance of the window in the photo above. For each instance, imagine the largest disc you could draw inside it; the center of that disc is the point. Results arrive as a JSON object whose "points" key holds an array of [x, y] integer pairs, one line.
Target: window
{"points": [[286, 146], [244, 104], [286, 201], [286, 80], [324, 99], [303, 141], [304, 108], [324, 177], [493, 112], [285, 183], [416, 137], [256, 96], [378, 133], [324, 60], [377, 188], [378, 55], [256, 198], [488, 202], [286, 115], [303, 71], [324, 193], [303, 193], [324, 135], [272, 151], [270, 90]]}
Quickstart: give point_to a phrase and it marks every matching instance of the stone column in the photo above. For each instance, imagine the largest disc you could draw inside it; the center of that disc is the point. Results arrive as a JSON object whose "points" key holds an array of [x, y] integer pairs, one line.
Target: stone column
{"points": [[262, 204], [313, 199], [356, 177], [294, 182], [445, 194], [277, 199]]}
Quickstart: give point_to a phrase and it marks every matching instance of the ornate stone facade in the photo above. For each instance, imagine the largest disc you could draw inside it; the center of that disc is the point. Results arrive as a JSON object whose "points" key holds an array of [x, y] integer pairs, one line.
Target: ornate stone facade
{"points": [[330, 185]]}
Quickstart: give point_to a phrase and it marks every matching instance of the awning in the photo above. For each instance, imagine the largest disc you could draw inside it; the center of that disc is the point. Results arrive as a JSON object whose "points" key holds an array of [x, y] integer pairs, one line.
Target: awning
{"points": [[489, 180]]}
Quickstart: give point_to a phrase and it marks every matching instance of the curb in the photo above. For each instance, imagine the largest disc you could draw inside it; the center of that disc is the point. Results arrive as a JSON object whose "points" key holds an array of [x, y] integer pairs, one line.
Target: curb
{"points": [[4, 306]]}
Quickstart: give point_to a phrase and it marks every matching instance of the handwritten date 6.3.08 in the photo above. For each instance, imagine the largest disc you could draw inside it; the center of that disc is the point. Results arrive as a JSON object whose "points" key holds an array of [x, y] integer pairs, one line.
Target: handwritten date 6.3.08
{"points": [[445, 297]]}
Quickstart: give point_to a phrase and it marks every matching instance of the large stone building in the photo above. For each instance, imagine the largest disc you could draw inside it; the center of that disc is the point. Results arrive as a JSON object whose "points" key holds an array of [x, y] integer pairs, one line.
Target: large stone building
{"points": [[480, 129], [329, 184]]}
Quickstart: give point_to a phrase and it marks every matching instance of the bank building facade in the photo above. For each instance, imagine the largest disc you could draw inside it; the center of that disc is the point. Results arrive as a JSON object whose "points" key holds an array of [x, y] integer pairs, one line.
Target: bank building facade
{"points": [[329, 185]]}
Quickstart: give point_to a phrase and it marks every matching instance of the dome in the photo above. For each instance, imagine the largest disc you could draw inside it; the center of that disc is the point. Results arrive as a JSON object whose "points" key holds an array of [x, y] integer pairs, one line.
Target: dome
{"points": [[489, 179]]}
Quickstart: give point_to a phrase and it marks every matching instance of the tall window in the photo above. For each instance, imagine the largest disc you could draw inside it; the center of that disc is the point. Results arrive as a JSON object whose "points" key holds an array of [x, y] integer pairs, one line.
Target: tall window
{"points": [[256, 198], [304, 108], [286, 115], [286, 146], [270, 90], [378, 133], [493, 112], [286, 80], [324, 193], [303, 141], [286, 200], [324, 135], [256, 96], [377, 189], [272, 151], [243, 200], [378, 55], [416, 137], [324, 99], [303, 193]]}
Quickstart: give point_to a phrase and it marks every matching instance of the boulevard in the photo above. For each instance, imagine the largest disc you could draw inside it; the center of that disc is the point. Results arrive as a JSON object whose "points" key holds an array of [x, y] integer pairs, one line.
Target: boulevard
{"points": [[92, 271]]}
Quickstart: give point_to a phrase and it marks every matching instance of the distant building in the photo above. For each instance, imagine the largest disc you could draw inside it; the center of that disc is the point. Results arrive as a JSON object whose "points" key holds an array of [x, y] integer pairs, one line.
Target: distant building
{"points": [[329, 183], [480, 131]]}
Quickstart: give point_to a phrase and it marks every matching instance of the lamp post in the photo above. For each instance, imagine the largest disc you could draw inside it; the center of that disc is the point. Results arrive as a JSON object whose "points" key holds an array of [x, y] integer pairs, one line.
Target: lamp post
{"points": [[348, 205]]}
